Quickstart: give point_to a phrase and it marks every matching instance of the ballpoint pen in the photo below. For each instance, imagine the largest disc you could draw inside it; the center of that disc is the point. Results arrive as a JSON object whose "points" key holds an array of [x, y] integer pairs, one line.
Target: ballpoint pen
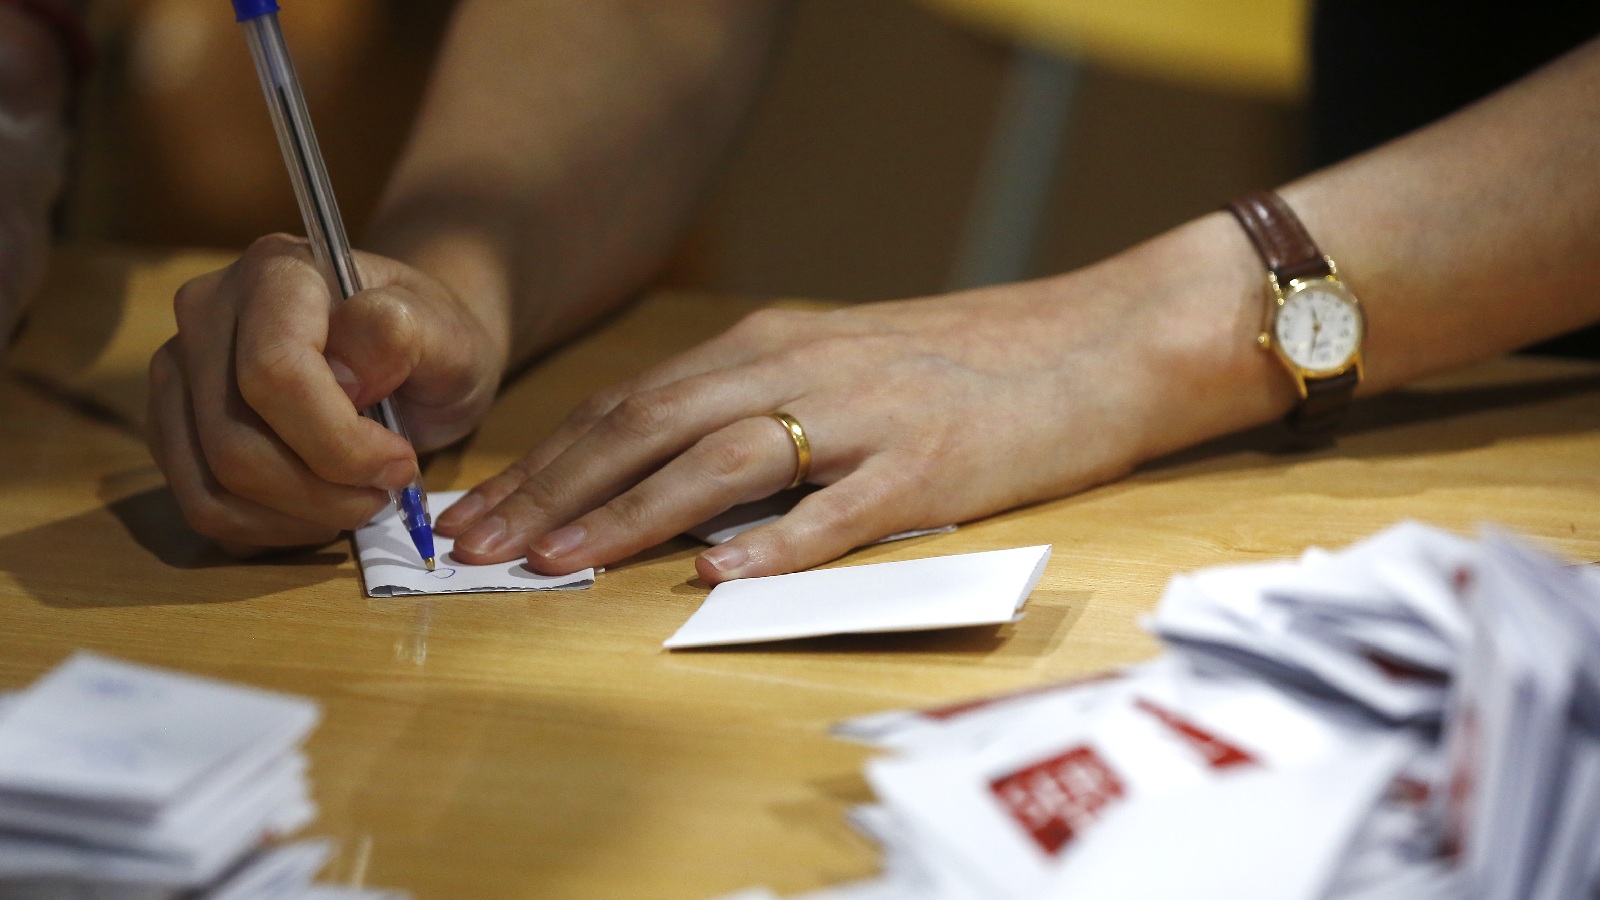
{"points": [[324, 227]]}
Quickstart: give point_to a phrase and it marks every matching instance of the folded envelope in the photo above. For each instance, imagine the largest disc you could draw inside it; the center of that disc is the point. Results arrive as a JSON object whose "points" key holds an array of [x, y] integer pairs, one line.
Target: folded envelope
{"points": [[390, 567], [913, 595]]}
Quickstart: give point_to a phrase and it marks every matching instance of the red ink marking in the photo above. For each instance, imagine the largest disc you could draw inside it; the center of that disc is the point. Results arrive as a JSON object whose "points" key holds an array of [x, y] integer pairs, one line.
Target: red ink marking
{"points": [[1056, 799], [1218, 753]]}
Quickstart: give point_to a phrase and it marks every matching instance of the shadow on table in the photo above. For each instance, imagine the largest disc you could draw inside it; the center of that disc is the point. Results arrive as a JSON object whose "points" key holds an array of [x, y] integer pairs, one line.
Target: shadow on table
{"points": [[1400, 409], [137, 551]]}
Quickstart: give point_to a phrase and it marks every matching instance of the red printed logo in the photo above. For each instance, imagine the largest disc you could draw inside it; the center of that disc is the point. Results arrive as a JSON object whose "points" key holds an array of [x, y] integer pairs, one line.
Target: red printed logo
{"points": [[1056, 799], [1218, 753]]}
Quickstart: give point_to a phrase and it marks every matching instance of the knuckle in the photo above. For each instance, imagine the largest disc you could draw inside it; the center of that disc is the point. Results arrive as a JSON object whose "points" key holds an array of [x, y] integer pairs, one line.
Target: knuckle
{"points": [[539, 492], [190, 303], [765, 327], [234, 464], [389, 320], [643, 415], [725, 457], [268, 375], [596, 407], [631, 511]]}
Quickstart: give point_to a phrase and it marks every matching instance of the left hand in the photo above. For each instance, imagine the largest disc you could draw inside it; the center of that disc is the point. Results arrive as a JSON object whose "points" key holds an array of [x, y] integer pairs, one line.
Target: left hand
{"points": [[919, 413]]}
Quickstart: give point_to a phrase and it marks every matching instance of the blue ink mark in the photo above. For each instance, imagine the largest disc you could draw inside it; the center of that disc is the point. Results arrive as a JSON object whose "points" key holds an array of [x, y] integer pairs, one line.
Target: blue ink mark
{"points": [[443, 572]]}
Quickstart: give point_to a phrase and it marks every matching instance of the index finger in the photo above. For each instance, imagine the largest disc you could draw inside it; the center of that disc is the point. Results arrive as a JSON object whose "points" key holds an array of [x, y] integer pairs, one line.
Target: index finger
{"points": [[282, 374]]}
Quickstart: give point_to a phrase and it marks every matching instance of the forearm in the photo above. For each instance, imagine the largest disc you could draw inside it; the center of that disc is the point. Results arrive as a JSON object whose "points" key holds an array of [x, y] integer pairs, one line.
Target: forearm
{"points": [[562, 146], [1467, 239]]}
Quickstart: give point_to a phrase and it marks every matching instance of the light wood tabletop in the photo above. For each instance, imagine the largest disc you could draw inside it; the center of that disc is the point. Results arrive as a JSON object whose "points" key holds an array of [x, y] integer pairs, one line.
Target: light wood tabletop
{"points": [[544, 745]]}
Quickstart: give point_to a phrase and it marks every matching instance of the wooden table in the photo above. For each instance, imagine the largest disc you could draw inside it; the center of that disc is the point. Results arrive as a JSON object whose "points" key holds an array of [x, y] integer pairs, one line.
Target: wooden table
{"points": [[543, 745]]}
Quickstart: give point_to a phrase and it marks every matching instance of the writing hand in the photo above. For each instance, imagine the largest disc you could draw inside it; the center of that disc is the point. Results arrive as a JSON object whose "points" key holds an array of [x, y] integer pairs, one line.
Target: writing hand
{"points": [[254, 405]]}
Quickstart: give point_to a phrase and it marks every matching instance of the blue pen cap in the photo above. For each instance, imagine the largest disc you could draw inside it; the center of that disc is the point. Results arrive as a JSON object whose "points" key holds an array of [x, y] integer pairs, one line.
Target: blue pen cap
{"points": [[245, 10]]}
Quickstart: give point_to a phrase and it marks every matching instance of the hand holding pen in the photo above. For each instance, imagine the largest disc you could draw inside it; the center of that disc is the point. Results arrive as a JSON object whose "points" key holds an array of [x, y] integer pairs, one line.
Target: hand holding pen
{"points": [[254, 407]]}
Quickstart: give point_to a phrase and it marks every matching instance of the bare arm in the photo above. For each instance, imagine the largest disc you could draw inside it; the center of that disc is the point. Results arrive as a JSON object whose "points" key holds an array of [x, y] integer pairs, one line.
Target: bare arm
{"points": [[1465, 240], [560, 147]]}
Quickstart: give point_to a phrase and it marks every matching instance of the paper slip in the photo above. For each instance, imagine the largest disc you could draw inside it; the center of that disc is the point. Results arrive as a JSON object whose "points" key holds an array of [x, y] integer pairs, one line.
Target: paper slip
{"points": [[390, 567], [912, 595], [734, 521], [1285, 831], [114, 734]]}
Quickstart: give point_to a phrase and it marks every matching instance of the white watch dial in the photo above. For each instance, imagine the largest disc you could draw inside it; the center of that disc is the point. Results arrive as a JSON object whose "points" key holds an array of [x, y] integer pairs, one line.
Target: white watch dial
{"points": [[1318, 326]]}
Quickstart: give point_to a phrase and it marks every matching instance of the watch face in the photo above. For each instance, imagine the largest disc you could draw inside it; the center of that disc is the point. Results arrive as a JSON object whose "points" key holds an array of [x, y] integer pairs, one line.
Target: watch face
{"points": [[1318, 326]]}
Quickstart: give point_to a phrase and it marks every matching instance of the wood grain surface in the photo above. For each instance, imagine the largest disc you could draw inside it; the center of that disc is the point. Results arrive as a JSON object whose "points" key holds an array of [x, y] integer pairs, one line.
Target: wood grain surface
{"points": [[544, 745]]}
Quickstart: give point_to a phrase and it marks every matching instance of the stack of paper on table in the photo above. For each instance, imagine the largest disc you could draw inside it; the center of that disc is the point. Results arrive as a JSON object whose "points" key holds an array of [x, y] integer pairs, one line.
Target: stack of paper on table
{"points": [[1416, 717], [121, 781], [390, 566]]}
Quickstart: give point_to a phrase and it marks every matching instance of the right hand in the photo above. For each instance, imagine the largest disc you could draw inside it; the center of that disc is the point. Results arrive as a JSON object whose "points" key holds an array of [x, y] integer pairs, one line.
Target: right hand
{"points": [[255, 404], [33, 152]]}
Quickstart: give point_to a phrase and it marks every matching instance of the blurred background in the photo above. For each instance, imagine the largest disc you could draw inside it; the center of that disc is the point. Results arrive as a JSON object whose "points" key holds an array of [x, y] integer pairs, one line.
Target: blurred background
{"points": [[902, 146]]}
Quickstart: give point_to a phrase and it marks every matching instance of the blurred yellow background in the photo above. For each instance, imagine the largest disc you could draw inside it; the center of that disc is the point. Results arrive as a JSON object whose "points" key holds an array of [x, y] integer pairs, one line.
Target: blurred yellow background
{"points": [[855, 174]]}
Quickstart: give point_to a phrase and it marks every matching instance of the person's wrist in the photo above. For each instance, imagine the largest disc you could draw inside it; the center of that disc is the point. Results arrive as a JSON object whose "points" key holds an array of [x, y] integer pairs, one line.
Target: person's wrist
{"points": [[1205, 289]]}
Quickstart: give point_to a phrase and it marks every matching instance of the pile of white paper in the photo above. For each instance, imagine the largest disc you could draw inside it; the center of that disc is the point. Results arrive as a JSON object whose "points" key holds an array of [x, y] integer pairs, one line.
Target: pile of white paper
{"points": [[1416, 716], [121, 781]]}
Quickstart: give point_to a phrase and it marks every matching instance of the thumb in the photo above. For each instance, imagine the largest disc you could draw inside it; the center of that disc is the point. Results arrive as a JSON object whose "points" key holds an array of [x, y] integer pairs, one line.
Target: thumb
{"points": [[410, 338]]}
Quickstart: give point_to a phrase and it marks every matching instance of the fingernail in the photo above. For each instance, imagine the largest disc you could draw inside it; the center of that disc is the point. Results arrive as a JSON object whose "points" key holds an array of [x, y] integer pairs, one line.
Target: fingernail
{"points": [[726, 558], [346, 377], [462, 511], [483, 537], [396, 475], [560, 542]]}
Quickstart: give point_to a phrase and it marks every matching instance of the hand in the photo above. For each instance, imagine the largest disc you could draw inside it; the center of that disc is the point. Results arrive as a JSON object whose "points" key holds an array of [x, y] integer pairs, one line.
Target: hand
{"points": [[33, 151], [254, 405], [919, 413]]}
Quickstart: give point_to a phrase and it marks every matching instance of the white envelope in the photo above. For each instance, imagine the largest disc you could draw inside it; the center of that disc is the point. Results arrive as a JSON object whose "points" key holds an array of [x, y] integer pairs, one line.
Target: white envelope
{"points": [[911, 595], [390, 567]]}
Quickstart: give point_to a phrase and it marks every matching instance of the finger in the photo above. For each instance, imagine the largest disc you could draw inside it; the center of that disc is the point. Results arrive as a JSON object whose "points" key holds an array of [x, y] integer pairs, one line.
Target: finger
{"points": [[748, 460], [209, 508], [868, 504], [755, 336], [243, 456], [283, 376], [638, 436]]}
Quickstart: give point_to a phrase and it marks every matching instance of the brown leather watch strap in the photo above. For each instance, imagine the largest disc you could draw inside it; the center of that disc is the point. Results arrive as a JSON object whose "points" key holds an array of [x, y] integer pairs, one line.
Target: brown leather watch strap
{"points": [[1290, 254], [1283, 242], [1325, 404]]}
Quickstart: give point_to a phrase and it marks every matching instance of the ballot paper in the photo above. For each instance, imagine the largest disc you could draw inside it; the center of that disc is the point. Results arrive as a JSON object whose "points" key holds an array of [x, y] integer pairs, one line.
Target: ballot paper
{"points": [[124, 782], [736, 520], [390, 567], [1413, 717], [910, 595]]}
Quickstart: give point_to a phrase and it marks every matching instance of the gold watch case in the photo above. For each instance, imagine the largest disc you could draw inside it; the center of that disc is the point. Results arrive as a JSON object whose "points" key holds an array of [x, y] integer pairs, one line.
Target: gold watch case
{"points": [[1278, 296]]}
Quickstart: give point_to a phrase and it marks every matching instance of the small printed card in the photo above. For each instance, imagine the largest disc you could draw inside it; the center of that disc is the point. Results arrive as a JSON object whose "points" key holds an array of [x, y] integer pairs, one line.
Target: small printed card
{"points": [[390, 567], [912, 595]]}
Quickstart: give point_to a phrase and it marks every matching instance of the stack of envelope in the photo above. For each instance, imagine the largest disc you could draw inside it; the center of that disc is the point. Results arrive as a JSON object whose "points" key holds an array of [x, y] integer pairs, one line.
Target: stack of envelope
{"points": [[1413, 717], [121, 781]]}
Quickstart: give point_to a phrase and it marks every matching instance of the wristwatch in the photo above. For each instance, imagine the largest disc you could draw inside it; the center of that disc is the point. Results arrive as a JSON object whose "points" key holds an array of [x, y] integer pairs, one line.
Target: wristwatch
{"points": [[1313, 324]]}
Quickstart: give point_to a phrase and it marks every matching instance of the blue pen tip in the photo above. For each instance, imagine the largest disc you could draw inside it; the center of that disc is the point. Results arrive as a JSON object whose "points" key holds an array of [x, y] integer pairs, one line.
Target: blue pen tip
{"points": [[417, 523]]}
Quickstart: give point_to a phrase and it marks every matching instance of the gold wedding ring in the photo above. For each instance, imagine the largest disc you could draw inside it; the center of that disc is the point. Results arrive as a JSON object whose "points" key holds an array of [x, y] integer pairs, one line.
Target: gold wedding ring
{"points": [[802, 446]]}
